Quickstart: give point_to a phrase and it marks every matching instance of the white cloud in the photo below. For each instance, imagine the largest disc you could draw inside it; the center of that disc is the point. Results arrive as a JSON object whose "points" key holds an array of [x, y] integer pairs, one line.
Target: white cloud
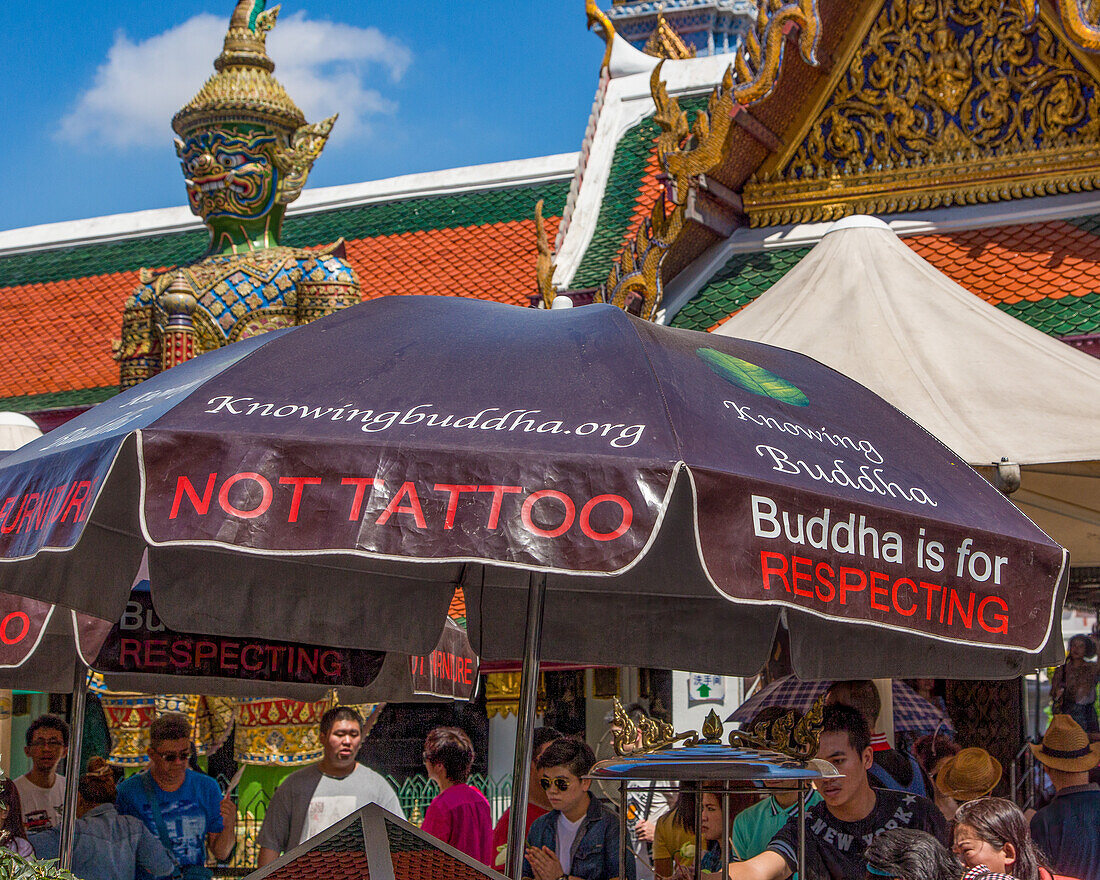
{"points": [[323, 65]]}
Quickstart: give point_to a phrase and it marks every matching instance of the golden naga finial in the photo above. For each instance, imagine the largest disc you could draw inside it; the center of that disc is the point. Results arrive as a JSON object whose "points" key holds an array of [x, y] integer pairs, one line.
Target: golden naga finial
{"points": [[544, 262], [597, 16], [664, 42], [1080, 19], [795, 740]]}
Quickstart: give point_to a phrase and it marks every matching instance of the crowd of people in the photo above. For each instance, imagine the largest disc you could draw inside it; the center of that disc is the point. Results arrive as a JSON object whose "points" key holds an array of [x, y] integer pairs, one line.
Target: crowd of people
{"points": [[922, 814]]}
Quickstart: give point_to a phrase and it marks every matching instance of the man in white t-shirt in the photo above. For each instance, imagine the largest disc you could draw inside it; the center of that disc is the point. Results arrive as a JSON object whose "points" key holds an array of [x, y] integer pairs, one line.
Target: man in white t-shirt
{"points": [[317, 797], [42, 789]]}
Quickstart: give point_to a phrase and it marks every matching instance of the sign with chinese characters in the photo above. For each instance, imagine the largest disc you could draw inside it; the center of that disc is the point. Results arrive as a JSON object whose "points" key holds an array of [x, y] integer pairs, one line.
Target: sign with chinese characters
{"points": [[703, 688]]}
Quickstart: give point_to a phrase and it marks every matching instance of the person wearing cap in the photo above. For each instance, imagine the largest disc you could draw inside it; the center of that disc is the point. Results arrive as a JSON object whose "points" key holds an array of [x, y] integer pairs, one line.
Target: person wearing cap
{"points": [[1067, 830], [967, 776]]}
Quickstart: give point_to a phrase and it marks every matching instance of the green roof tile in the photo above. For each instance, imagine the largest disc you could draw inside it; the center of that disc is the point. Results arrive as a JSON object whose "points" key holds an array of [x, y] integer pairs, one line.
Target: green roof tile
{"points": [[628, 167], [735, 285], [308, 230], [57, 399], [1068, 316]]}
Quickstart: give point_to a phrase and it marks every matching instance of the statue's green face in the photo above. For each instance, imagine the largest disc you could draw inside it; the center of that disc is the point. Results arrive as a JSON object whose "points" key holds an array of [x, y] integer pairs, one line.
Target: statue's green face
{"points": [[231, 175]]}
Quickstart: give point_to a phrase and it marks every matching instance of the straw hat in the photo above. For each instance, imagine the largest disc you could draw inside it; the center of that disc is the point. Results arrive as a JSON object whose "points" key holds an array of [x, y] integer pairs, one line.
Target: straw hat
{"points": [[1066, 746], [972, 773]]}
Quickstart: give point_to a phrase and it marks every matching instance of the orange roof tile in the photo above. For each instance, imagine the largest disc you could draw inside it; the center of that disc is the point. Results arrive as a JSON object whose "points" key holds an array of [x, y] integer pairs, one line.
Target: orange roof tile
{"points": [[57, 335], [1008, 264]]}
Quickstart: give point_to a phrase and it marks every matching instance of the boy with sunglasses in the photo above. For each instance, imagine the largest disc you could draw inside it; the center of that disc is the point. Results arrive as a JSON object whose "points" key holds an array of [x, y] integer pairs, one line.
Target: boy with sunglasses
{"points": [[183, 808], [579, 838]]}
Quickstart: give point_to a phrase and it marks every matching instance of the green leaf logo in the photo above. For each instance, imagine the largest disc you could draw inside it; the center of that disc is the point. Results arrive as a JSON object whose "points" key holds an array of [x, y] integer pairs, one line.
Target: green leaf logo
{"points": [[752, 378]]}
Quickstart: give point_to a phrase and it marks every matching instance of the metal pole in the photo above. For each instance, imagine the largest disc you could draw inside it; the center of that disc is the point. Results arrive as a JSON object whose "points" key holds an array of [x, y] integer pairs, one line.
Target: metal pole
{"points": [[72, 766], [725, 829], [528, 699], [624, 832], [700, 841], [801, 829]]}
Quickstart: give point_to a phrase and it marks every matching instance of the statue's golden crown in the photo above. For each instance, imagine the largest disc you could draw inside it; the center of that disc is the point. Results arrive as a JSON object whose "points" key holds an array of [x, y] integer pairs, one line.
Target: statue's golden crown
{"points": [[242, 89]]}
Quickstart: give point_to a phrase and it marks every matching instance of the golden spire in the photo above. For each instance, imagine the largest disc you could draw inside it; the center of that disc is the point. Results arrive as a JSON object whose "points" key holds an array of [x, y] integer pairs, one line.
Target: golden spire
{"points": [[664, 42], [242, 89]]}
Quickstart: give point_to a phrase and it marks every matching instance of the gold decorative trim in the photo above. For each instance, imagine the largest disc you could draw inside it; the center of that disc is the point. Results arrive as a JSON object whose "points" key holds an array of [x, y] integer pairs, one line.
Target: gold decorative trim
{"points": [[968, 179], [1081, 19], [796, 739], [544, 261], [936, 107], [664, 42], [684, 152], [760, 55], [598, 17]]}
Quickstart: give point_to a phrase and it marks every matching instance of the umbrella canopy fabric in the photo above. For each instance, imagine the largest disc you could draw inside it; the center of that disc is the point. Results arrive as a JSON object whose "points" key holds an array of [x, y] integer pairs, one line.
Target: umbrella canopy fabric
{"points": [[340, 474], [41, 645], [912, 712], [985, 383]]}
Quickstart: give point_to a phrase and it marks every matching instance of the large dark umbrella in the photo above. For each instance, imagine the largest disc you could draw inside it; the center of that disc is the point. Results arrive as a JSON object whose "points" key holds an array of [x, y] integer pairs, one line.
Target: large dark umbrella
{"points": [[669, 494]]}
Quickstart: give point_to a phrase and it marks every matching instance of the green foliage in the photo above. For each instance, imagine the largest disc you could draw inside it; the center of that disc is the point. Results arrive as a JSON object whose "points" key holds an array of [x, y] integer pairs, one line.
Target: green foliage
{"points": [[752, 378], [14, 867]]}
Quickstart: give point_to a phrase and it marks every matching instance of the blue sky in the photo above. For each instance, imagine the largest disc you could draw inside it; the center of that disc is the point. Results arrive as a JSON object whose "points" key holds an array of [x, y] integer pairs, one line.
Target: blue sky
{"points": [[89, 91]]}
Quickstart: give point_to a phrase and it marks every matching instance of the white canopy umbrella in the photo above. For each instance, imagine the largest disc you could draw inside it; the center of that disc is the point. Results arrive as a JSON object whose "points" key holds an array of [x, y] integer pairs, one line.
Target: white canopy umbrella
{"points": [[986, 384]]}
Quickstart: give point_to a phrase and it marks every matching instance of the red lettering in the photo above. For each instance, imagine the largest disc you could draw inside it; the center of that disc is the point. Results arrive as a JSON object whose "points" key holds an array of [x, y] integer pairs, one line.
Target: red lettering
{"points": [[894, 597], [299, 484], [156, 652], [877, 591], [21, 620], [229, 658], [412, 507], [9, 503], [185, 487], [766, 571], [967, 616], [129, 653], [29, 505], [331, 663], [533, 499], [78, 499], [205, 650], [181, 653], [498, 499], [825, 582], [929, 589], [1001, 619], [265, 496], [250, 666], [360, 484], [452, 502], [797, 576], [847, 586], [308, 659], [68, 494], [624, 523]]}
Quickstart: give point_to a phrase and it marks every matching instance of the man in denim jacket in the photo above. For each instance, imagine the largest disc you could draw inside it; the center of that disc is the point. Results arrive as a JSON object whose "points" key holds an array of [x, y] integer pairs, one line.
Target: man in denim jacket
{"points": [[579, 838]]}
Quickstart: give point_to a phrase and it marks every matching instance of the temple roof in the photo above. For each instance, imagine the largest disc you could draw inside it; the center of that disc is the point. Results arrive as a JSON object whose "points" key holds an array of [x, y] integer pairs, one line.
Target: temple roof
{"points": [[464, 232]]}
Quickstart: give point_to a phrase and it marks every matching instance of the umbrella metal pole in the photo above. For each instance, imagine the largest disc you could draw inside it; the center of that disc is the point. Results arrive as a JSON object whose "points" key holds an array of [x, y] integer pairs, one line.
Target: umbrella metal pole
{"points": [[72, 767], [700, 843], [528, 698], [802, 829], [624, 832], [725, 829]]}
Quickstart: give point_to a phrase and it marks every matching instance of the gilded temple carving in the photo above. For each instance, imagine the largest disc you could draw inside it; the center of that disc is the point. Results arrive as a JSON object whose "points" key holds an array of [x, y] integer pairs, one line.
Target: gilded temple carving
{"points": [[942, 103]]}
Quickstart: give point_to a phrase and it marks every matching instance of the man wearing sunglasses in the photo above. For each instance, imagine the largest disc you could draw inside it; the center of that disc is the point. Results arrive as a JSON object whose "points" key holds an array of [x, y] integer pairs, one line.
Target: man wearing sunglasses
{"points": [[184, 808], [579, 838]]}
